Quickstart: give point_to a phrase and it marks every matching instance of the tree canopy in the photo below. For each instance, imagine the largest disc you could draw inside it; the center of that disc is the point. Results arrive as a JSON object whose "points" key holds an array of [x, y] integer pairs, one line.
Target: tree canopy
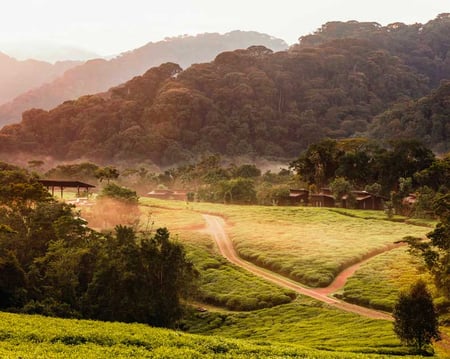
{"points": [[52, 263], [415, 318]]}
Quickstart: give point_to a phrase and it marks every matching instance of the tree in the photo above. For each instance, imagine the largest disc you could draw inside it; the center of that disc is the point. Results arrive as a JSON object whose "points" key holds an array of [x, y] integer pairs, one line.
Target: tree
{"points": [[319, 163], [342, 190], [140, 279], [238, 190], [246, 171], [415, 317], [437, 175], [119, 193], [436, 252], [404, 159], [52, 263], [107, 173]]}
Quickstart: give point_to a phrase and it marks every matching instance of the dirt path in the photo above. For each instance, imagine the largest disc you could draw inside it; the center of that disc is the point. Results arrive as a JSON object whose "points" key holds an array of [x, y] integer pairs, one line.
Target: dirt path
{"points": [[341, 279], [216, 227]]}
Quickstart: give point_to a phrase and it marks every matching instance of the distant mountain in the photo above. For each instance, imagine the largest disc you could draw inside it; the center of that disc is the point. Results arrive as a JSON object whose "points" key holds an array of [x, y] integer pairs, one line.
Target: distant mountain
{"points": [[99, 75], [44, 51], [19, 76], [246, 102]]}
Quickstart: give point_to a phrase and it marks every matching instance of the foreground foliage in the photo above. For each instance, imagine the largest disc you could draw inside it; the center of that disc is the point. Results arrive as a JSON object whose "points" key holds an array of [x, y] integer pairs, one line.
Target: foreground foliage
{"points": [[304, 321], [26, 337], [52, 263]]}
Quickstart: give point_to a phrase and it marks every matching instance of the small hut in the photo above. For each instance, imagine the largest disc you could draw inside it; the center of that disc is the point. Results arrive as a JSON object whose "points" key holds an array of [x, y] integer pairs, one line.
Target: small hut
{"points": [[322, 200], [296, 197], [365, 200]]}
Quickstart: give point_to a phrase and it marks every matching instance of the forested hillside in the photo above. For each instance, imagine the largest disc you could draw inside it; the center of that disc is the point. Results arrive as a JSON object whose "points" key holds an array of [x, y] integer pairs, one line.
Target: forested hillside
{"points": [[426, 118], [423, 47], [99, 75], [244, 102]]}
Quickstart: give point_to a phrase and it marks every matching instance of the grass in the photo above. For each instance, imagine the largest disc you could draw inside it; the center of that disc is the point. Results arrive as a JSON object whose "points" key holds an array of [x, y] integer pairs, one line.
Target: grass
{"points": [[380, 215], [301, 328], [177, 219], [221, 283], [309, 245], [304, 321], [378, 282], [26, 337], [368, 214], [225, 285]]}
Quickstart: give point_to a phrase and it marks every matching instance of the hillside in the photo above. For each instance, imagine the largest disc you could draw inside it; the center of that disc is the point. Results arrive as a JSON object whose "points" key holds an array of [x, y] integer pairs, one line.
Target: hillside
{"points": [[426, 118], [25, 336], [423, 47], [252, 102], [19, 76], [99, 75]]}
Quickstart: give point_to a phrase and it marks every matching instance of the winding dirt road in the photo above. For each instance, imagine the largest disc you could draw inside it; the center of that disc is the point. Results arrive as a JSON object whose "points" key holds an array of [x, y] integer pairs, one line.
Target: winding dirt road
{"points": [[216, 227]]}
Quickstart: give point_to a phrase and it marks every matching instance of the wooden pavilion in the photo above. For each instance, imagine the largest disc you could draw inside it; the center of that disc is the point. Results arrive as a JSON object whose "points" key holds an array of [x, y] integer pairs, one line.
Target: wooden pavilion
{"points": [[62, 184]]}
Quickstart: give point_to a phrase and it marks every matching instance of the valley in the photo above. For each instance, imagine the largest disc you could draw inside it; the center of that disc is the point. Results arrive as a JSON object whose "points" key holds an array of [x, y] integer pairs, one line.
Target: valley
{"points": [[227, 195]]}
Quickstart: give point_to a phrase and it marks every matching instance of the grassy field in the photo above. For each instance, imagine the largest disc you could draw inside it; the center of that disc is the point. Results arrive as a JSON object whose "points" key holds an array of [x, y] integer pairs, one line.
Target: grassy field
{"points": [[316, 326], [322, 332], [309, 245], [26, 337], [377, 283], [304, 321], [221, 283]]}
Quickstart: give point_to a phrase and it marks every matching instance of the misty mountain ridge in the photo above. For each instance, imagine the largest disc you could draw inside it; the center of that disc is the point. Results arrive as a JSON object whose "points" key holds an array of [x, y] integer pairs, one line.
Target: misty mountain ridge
{"points": [[46, 51], [18, 76], [99, 75]]}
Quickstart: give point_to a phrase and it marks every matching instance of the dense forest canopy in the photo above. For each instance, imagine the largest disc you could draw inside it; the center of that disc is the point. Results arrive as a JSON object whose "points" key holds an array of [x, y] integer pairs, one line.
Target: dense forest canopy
{"points": [[251, 102], [422, 47], [426, 118]]}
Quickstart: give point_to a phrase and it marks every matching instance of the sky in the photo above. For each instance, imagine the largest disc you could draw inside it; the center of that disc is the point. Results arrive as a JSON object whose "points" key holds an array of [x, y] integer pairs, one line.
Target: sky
{"points": [[109, 27]]}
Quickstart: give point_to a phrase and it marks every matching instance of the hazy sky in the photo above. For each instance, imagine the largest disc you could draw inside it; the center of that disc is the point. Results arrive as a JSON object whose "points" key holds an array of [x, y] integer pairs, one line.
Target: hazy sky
{"points": [[111, 26]]}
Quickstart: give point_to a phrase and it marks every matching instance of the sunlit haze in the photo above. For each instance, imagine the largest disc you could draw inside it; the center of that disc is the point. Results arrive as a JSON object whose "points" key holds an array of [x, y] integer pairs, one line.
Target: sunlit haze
{"points": [[111, 27]]}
